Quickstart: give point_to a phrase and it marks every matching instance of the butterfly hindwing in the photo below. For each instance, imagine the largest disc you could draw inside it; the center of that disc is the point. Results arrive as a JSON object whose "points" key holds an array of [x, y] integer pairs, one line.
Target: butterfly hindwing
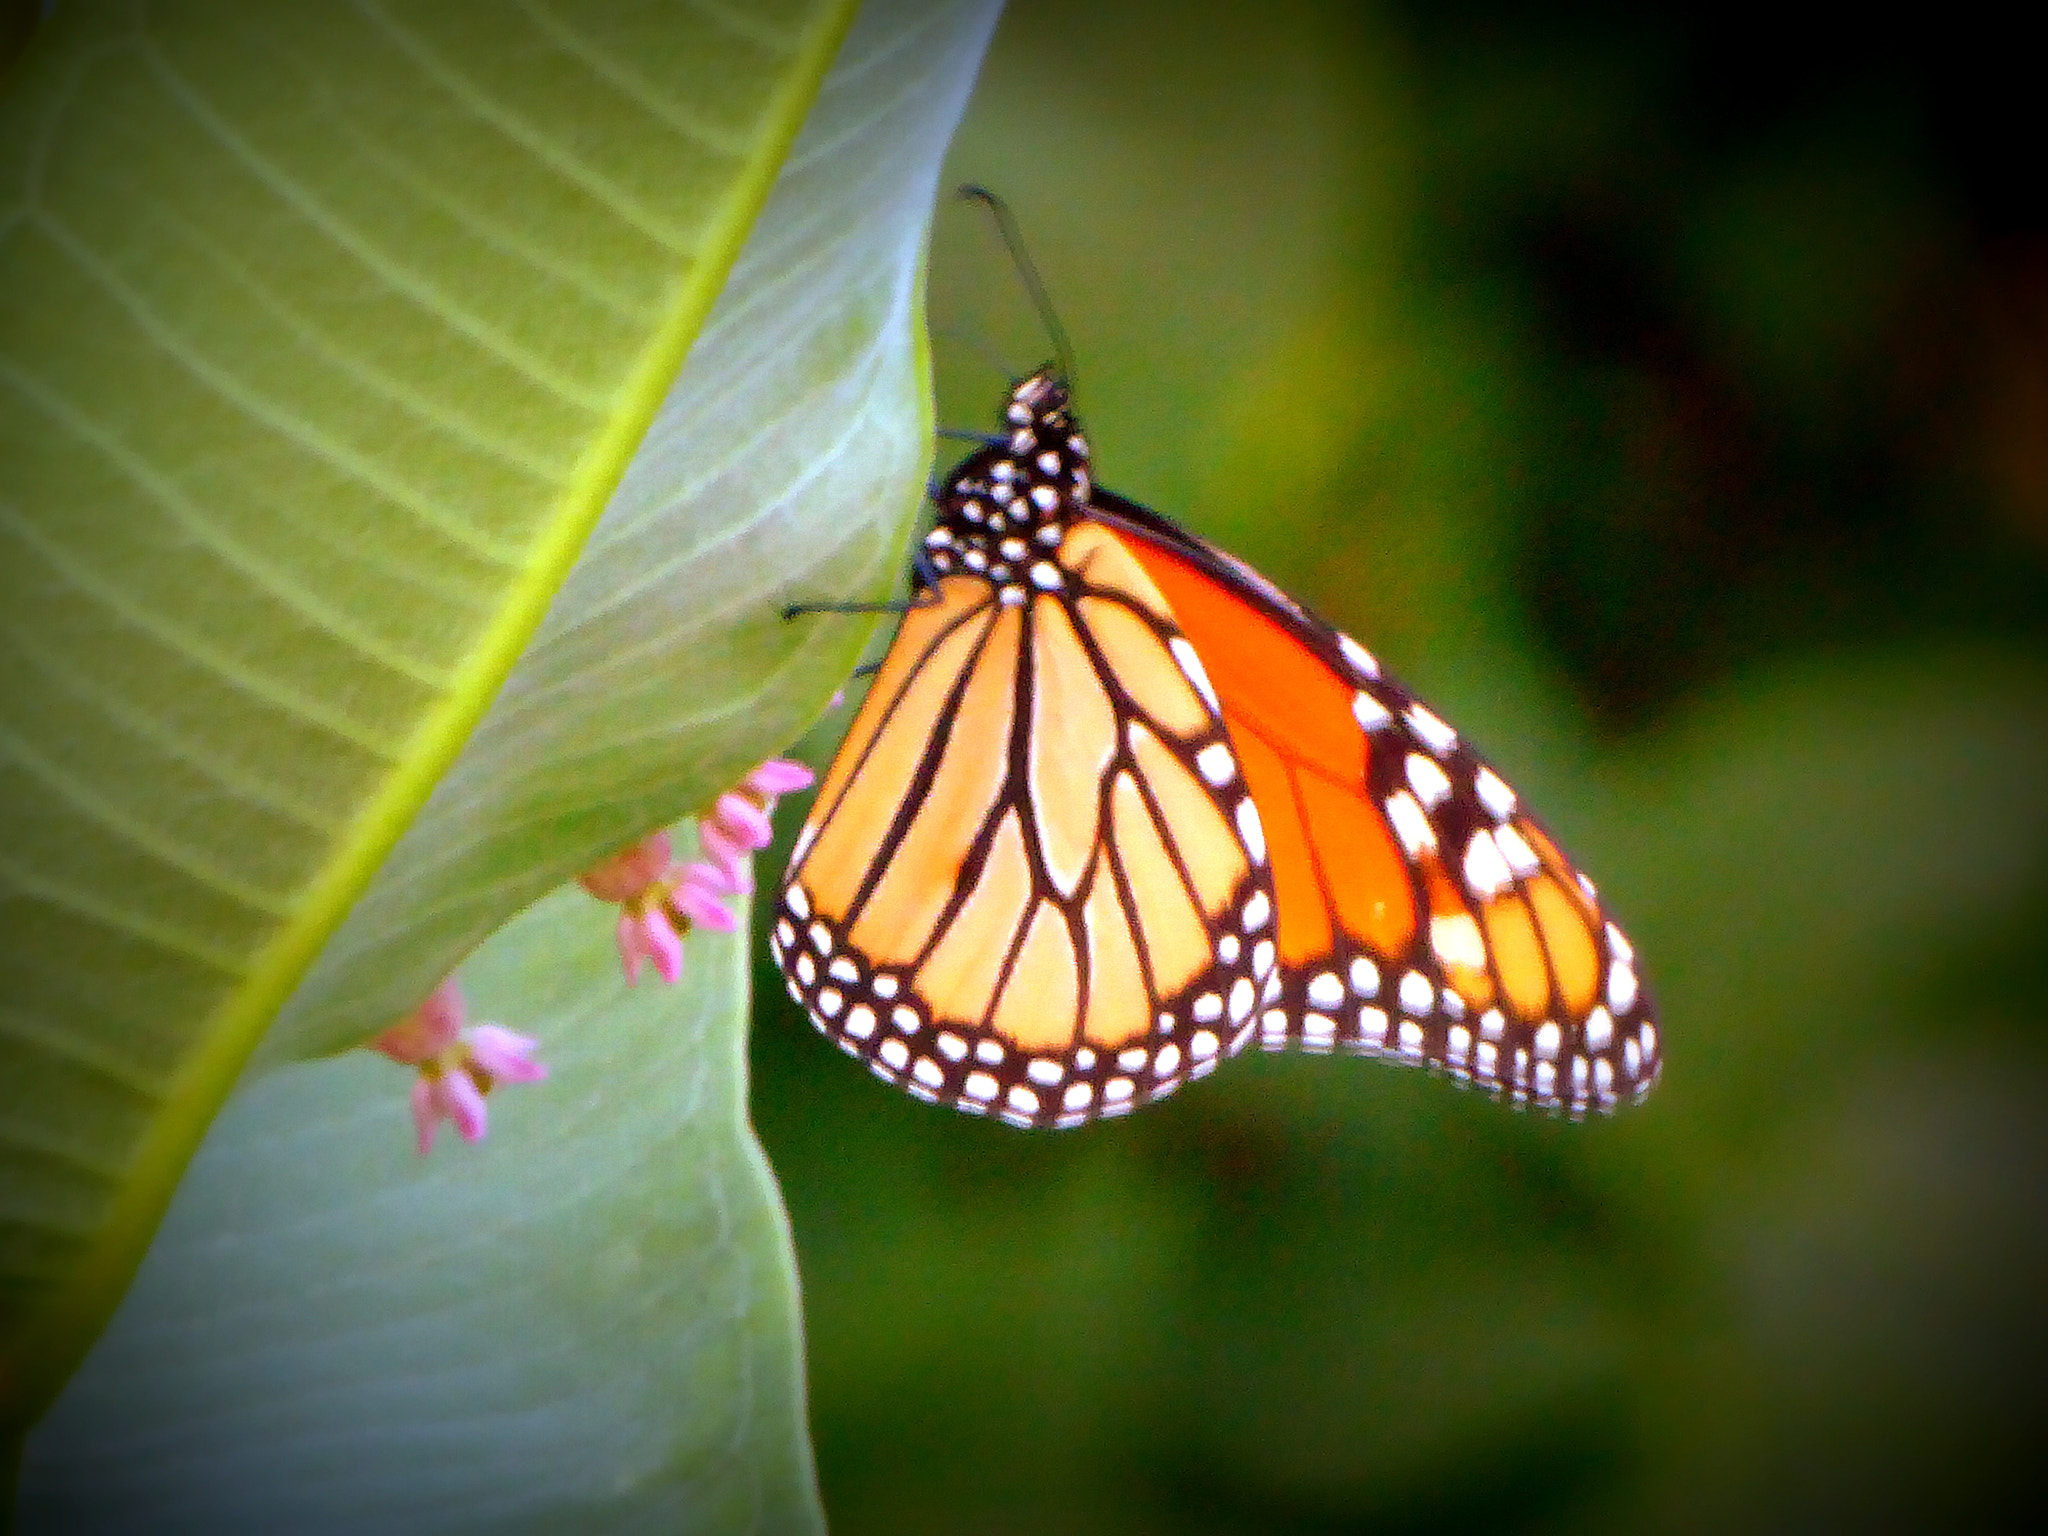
{"points": [[1033, 882]]}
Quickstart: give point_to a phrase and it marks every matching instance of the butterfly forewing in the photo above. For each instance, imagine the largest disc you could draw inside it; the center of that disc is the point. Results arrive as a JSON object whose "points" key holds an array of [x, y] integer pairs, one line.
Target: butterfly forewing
{"points": [[1033, 884], [1424, 916]]}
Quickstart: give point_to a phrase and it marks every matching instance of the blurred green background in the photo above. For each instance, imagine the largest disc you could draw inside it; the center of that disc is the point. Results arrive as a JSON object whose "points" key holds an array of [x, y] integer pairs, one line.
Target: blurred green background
{"points": [[1667, 400]]}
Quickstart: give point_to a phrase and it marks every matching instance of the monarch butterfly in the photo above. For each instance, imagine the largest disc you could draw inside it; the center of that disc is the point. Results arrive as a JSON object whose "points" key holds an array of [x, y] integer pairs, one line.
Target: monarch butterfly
{"points": [[1115, 806]]}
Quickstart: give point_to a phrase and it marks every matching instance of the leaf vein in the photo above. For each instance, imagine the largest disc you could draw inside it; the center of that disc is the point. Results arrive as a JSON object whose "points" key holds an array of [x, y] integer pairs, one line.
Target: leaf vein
{"points": [[72, 789], [437, 302], [17, 1145], [265, 575], [135, 925], [628, 209], [741, 23], [321, 344], [305, 434], [70, 1045], [634, 86], [237, 783], [266, 689], [495, 232]]}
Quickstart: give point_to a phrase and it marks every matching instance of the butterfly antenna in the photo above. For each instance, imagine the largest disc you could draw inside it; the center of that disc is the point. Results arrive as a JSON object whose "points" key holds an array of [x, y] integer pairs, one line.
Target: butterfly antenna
{"points": [[1020, 258]]}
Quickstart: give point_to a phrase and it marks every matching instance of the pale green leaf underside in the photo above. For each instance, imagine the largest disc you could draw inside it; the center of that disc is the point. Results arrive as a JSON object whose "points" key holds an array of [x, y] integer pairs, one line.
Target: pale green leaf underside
{"points": [[325, 334], [587, 1323], [785, 464]]}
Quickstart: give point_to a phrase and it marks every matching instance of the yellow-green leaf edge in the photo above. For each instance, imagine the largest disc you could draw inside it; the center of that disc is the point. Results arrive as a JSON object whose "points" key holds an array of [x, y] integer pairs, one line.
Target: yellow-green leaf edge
{"points": [[50, 1340]]}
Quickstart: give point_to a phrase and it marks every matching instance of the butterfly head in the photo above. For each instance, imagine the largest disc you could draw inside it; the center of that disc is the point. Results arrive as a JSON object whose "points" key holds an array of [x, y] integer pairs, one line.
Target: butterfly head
{"points": [[1006, 507]]}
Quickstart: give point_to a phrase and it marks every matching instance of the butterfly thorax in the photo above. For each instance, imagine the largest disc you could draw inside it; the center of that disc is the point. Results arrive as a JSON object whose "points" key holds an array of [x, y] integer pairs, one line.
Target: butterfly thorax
{"points": [[1006, 508]]}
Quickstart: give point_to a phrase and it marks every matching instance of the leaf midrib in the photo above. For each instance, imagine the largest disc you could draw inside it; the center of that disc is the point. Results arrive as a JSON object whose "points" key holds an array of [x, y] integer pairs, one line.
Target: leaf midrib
{"points": [[51, 1338]]}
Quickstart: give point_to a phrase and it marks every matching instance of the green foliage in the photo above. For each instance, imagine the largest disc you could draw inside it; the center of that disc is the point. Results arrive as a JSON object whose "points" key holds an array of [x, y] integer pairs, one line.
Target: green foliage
{"points": [[326, 337], [590, 1322]]}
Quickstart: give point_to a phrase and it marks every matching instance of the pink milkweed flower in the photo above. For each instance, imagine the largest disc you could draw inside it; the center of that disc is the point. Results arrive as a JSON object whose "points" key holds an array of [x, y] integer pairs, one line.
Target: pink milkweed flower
{"points": [[659, 901], [778, 776], [649, 935], [738, 824], [700, 897], [457, 1066]]}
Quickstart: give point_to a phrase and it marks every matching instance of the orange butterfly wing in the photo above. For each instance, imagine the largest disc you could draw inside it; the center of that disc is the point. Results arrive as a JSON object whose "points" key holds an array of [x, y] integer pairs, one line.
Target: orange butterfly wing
{"points": [[1024, 888], [1115, 805], [1423, 915]]}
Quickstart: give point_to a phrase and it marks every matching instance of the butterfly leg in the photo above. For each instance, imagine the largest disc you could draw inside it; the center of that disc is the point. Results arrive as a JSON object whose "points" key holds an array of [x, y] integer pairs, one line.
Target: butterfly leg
{"points": [[923, 594]]}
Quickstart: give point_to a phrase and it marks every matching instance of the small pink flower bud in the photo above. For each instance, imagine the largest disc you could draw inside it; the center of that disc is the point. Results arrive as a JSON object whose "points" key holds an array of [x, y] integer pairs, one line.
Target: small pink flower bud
{"points": [[629, 872], [720, 881], [649, 935], [504, 1055], [697, 895], [427, 1031], [660, 902], [779, 776], [457, 1066], [455, 1097], [742, 820], [727, 854], [666, 904]]}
